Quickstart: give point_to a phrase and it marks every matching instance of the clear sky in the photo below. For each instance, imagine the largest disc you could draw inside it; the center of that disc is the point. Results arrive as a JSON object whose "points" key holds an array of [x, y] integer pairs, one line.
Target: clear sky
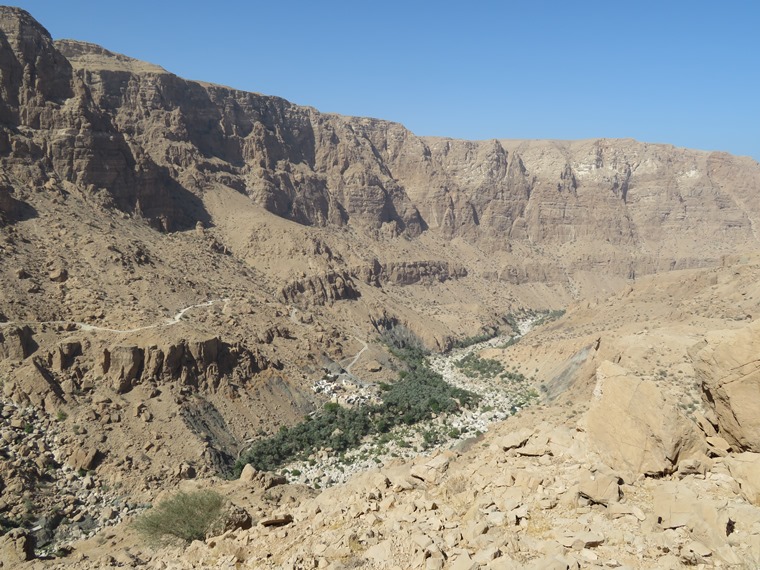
{"points": [[673, 71]]}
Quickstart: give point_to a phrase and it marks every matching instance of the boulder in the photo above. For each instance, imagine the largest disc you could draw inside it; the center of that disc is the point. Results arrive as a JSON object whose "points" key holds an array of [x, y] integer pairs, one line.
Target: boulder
{"points": [[432, 470], [745, 468], [64, 354], [58, 274], [726, 363], [260, 480], [276, 520], [85, 459], [232, 518], [514, 439], [677, 506], [599, 488], [16, 546], [33, 384], [123, 364], [16, 343], [633, 427]]}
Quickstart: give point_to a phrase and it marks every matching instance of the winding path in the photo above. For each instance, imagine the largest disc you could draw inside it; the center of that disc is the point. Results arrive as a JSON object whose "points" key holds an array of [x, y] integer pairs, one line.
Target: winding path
{"points": [[88, 327], [358, 355]]}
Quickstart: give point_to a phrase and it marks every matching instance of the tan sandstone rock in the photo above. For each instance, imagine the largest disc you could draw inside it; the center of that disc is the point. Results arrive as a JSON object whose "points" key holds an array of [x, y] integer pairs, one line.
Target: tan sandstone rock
{"points": [[15, 547], [745, 468], [633, 427], [727, 364]]}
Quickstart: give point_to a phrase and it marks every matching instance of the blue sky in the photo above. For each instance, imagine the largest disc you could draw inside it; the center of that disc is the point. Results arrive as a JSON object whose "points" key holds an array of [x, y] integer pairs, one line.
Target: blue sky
{"points": [[685, 73]]}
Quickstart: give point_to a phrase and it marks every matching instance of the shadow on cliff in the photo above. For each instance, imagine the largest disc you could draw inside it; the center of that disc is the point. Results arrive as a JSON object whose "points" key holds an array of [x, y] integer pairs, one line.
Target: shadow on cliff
{"points": [[13, 210], [175, 208]]}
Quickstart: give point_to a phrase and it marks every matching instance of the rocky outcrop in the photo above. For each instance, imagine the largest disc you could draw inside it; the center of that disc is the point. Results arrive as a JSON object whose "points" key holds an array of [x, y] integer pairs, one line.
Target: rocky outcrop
{"points": [[17, 343], [150, 143], [53, 129], [11, 209], [321, 289], [491, 507], [745, 468], [16, 547], [198, 362], [633, 427], [726, 363], [409, 272], [32, 384]]}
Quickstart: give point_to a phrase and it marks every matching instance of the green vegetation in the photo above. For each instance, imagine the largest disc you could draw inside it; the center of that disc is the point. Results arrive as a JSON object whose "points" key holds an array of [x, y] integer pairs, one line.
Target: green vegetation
{"points": [[511, 319], [513, 376], [524, 400], [416, 396], [512, 340], [470, 340], [403, 343], [185, 516], [474, 366], [542, 317], [549, 316]]}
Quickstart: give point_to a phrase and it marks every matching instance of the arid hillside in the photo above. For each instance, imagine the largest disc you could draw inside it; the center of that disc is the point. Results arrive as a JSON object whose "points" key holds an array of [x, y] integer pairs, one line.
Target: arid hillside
{"points": [[187, 269]]}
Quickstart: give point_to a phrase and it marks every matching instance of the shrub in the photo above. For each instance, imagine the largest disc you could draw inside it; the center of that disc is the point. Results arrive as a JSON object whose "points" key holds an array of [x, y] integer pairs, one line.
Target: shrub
{"points": [[476, 339], [185, 516], [403, 343], [473, 366]]}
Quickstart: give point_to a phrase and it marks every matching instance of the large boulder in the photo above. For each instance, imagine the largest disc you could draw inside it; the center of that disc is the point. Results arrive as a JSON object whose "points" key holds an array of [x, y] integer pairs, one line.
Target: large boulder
{"points": [[745, 468], [633, 428], [16, 546], [123, 364], [16, 343], [727, 365], [32, 384]]}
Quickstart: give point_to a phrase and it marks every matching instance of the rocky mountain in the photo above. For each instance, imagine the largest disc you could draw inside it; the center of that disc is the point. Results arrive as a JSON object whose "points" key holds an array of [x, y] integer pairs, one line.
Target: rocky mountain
{"points": [[186, 268]]}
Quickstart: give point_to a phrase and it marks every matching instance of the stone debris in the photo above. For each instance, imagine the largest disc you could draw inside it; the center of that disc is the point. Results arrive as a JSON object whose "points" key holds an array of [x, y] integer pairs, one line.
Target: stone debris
{"points": [[599, 488], [276, 520], [489, 509], [180, 260]]}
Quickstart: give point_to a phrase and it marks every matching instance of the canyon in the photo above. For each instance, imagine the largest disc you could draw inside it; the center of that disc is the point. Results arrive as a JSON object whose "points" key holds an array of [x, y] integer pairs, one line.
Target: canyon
{"points": [[181, 264]]}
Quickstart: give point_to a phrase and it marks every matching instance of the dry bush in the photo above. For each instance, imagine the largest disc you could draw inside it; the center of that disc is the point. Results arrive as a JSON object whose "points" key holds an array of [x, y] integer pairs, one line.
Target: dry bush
{"points": [[185, 516]]}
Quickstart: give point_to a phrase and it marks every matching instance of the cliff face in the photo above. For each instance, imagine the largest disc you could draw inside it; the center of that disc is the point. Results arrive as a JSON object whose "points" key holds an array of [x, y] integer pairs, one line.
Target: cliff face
{"points": [[153, 143]]}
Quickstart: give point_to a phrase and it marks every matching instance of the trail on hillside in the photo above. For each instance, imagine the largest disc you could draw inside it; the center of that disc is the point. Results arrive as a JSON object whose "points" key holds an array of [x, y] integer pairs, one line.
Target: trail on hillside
{"points": [[176, 318], [357, 356]]}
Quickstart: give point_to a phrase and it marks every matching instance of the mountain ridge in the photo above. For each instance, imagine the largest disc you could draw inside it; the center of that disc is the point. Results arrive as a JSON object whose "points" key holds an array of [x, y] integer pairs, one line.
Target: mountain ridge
{"points": [[188, 270]]}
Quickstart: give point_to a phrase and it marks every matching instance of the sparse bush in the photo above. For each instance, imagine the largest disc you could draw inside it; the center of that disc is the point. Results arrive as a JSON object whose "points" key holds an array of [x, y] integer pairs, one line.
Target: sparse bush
{"points": [[514, 377], [512, 341], [185, 517], [476, 339]]}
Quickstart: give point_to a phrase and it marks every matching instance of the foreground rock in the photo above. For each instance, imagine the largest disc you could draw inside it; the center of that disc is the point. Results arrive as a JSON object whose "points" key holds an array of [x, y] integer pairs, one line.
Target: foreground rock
{"points": [[633, 427], [727, 365]]}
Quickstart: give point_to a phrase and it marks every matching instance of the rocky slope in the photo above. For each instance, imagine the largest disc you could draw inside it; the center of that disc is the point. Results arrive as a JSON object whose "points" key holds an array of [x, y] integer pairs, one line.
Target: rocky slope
{"points": [[630, 462], [180, 263]]}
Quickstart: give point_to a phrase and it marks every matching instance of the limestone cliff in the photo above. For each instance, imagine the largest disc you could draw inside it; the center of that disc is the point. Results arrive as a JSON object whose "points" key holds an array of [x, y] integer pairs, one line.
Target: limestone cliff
{"points": [[154, 144]]}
